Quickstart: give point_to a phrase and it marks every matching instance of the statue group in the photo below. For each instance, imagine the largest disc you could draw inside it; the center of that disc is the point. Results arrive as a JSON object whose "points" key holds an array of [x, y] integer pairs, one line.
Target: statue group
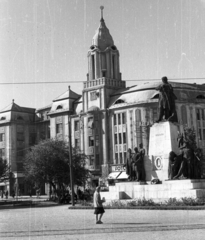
{"points": [[135, 164], [187, 163]]}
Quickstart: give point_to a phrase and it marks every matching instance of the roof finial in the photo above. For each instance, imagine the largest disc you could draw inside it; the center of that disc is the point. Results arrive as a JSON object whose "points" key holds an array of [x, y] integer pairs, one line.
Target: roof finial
{"points": [[12, 101], [101, 7]]}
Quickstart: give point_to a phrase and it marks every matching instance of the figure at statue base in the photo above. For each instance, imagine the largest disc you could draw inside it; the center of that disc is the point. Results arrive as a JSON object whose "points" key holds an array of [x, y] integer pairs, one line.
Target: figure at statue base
{"points": [[135, 164], [186, 165]]}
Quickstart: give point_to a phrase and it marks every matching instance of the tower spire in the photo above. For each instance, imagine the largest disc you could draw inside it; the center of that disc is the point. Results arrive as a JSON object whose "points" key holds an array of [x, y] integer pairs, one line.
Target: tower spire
{"points": [[101, 8]]}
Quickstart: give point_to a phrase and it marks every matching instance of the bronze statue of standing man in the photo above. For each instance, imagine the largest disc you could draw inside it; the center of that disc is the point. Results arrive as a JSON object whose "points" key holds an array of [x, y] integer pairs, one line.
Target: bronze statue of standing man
{"points": [[167, 107]]}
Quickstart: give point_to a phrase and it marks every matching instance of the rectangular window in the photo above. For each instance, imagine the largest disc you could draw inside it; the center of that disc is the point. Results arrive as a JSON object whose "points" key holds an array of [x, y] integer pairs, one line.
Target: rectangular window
{"points": [[59, 128], [91, 141], [20, 136], [124, 137], [32, 138], [77, 143], [91, 160], [200, 135], [97, 140], [43, 135], [97, 159], [202, 114], [116, 157], [2, 152], [19, 152], [115, 119], [119, 119], [120, 138], [2, 137], [197, 114], [121, 158], [125, 155], [116, 139], [123, 118], [204, 134], [77, 125]]}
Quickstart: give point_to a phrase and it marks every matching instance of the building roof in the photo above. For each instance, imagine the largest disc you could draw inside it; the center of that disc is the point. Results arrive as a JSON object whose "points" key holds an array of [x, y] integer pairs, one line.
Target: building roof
{"points": [[69, 94], [14, 107], [146, 92], [102, 38]]}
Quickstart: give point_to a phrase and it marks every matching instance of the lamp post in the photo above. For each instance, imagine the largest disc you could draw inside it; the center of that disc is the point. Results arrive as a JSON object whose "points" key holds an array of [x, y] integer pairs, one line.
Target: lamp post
{"points": [[70, 160]]}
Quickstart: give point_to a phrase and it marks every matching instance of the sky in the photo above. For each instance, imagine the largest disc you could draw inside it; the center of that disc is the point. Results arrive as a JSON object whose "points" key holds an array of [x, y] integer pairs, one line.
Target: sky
{"points": [[44, 44]]}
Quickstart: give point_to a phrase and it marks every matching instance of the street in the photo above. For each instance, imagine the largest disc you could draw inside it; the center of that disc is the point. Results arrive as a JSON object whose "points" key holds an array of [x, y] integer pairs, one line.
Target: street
{"points": [[59, 222]]}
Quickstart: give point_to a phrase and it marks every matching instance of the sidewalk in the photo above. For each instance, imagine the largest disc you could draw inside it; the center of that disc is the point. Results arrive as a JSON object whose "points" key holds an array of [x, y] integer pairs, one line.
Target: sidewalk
{"points": [[12, 200]]}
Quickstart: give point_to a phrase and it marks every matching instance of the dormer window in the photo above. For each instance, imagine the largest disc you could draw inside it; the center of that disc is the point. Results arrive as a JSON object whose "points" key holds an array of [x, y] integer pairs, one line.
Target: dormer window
{"points": [[119, 101], [3, 118], [92, 47], [59, 107], [20, 118], [156, 96], [200, 97]]}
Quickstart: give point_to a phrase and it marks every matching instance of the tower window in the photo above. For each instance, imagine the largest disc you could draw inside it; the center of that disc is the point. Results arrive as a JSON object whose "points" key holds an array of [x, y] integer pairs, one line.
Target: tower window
{"points": [[113, 66], [93, 66]]}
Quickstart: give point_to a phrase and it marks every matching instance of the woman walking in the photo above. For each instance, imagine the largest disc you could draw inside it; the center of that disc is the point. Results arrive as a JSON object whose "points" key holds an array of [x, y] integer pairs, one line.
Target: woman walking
{"points": [[98, 205]]}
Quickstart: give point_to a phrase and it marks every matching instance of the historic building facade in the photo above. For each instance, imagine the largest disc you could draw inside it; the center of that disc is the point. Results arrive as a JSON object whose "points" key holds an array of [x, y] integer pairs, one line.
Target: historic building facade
{"points": [[106, 119]]}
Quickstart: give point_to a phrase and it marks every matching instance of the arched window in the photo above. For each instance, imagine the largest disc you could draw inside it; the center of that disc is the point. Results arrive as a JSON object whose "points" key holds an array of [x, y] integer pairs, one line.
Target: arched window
{"points": [[156, 96], [59, 107], [119, 101], [200, 97]]}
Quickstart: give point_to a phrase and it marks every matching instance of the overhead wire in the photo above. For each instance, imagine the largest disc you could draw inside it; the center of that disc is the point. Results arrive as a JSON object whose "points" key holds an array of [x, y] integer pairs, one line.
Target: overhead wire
{"points": [[137, 80]]}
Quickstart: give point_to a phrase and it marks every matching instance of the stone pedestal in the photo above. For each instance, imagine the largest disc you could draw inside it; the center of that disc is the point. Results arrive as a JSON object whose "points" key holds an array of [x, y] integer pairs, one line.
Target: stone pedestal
{"points": [[163, 139], [157, 192]]}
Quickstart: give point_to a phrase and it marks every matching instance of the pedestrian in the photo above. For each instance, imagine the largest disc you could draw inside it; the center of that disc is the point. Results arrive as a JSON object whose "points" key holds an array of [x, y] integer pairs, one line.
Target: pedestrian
{"points": [[98, 205], [30, 192], [37, 193], [2, 194], [6, 194], [13, 194]]}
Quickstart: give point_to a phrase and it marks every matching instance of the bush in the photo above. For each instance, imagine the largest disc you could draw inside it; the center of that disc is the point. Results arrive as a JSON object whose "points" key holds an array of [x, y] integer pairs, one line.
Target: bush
{"points": [[149, 202]]}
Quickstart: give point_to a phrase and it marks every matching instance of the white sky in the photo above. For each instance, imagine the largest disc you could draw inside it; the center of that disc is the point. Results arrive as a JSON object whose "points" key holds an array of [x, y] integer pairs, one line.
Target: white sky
{"points": [[48, 41]]}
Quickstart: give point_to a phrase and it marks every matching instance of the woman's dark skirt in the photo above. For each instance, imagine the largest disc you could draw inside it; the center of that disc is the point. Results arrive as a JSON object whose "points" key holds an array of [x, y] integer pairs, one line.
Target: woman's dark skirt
{"points": [[99, 210]]}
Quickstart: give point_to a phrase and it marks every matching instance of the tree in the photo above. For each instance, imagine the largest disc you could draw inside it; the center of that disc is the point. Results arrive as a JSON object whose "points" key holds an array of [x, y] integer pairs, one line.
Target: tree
{"points": [[48, 162], [4, 170]]}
